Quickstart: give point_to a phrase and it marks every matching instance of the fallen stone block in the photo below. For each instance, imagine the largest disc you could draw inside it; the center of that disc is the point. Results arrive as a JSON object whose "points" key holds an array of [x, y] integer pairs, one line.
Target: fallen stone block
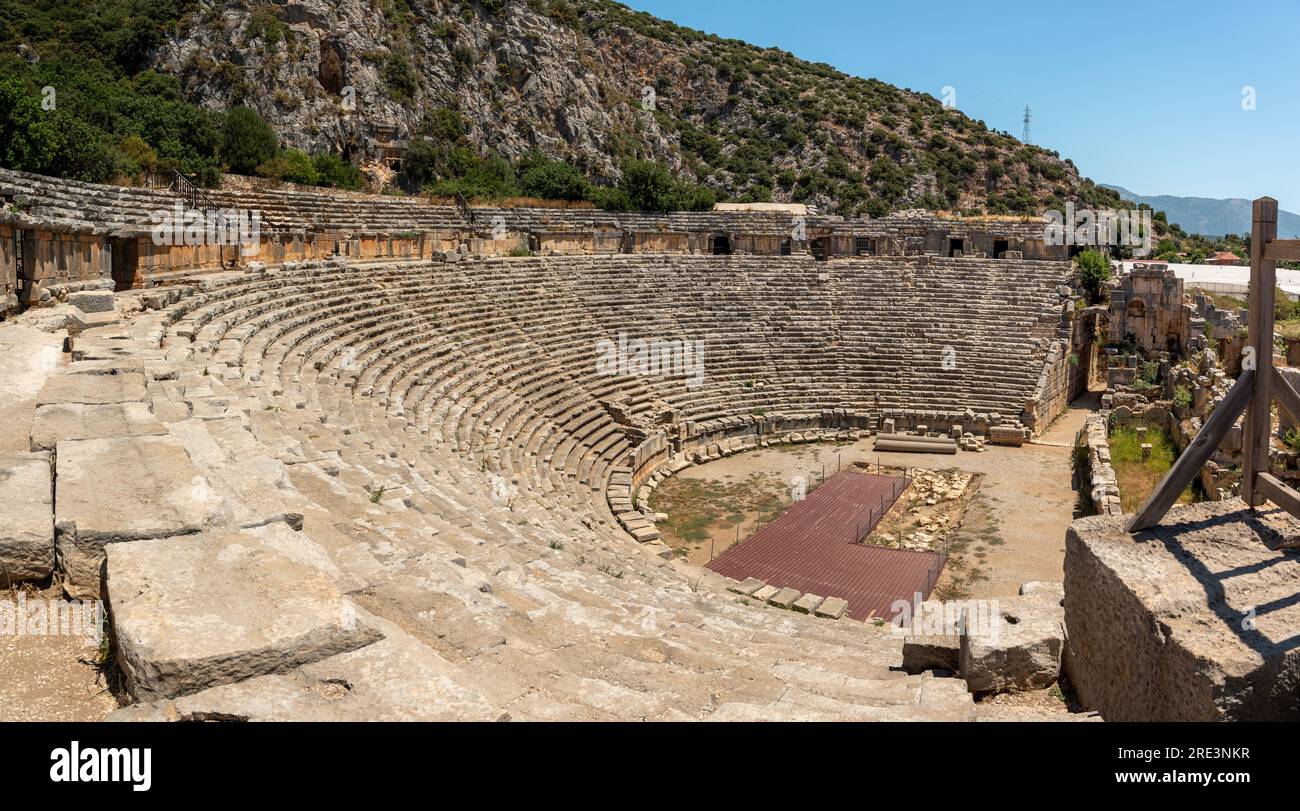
{"points": [[26, 518], [92, 301], [60, 421], [833, 608], [748, 586], [1012, 644], [784, 598], [645, 534], [1006, 435], [807, 604], [80, 321], [1193, 620], [124, 489], [765, 592], [191, 613]]}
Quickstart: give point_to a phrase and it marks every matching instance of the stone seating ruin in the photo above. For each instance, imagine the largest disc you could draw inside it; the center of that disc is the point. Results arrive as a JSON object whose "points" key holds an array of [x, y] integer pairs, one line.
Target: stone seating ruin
{"points": [[406, 489]]}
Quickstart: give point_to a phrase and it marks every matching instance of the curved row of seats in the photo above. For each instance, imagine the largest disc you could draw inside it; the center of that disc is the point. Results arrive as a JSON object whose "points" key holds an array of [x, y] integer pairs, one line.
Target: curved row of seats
{"points": [[444, 435], [497, 360]]}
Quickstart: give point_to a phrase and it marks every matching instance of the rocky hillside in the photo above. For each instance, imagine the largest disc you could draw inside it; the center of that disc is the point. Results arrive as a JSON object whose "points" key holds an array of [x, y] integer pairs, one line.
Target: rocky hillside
{"points": [[568, 77]]}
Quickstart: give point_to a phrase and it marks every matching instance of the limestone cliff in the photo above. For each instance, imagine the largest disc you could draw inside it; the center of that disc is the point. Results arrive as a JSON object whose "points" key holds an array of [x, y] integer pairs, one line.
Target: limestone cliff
{"points": [[572, 79]]}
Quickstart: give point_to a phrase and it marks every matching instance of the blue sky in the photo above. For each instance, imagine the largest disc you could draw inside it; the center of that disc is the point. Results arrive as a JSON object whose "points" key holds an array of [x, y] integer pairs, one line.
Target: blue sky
{"points": [[1143, 95]]}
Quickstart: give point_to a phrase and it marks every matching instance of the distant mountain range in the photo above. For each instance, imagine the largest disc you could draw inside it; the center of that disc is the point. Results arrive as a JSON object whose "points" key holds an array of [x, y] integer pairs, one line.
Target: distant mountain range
{"points": [[1208, 216]]}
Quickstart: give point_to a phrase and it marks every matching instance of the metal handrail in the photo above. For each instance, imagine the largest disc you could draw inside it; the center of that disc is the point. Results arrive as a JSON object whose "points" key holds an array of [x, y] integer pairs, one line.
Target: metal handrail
{"points": [[463, 206]]}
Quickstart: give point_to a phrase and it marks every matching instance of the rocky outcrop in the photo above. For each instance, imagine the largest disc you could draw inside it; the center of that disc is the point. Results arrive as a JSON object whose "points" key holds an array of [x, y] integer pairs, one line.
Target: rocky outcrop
{"points": [[592, 82]]}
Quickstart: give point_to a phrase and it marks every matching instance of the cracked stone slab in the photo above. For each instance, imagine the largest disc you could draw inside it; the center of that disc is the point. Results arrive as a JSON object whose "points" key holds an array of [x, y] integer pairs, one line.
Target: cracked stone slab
{"points": [[397, 678], [28, 358], [26, 518], [92, 389], [196, 612], [123, 489], [56, 422]]}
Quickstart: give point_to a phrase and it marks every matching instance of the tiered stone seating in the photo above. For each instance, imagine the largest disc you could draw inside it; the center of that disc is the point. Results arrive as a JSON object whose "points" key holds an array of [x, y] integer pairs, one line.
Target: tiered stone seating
{"points": [[76, 205], [428, 451]]}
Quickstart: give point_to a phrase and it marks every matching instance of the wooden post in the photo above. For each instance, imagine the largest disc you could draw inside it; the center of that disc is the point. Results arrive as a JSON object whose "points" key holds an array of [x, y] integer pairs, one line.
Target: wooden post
{"points": [[1257, 386], [1258, 427]]}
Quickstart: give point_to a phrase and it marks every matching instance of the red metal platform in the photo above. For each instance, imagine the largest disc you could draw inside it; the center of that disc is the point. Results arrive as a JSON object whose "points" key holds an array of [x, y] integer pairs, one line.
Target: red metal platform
{"points": [[813, 547]]}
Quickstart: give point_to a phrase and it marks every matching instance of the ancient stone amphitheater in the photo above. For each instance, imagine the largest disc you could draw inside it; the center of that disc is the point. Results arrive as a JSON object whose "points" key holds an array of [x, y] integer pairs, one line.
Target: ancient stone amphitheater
{"points": [[395, 483]]}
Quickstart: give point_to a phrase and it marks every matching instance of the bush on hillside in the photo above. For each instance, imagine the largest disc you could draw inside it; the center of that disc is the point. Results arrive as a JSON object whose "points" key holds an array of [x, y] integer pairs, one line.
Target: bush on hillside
{"points": [[246, 140]]}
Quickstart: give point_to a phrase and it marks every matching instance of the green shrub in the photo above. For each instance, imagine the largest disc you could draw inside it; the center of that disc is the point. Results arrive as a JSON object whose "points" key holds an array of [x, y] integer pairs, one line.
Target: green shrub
{"points": [[540, 176], [649, 186], [246, 140], [1094, 272], [400, 77], [332, 170], [292, 165]]}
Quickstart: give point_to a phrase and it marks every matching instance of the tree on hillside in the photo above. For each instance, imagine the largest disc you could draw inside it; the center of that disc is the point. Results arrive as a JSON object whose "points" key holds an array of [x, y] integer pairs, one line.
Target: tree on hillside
{"points": [[1094, 272], [246, 140], [540, 176], [648, 185], [28, 141]]}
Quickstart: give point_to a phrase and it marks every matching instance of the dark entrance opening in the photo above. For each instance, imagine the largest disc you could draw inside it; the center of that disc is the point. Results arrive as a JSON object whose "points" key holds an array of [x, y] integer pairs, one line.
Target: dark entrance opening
{"points": [[787, 246], [1000, 246], [1075, 250], [20, 267], [956, 247], [126, 258], [820, 248], [721, 245], [864, 246]]}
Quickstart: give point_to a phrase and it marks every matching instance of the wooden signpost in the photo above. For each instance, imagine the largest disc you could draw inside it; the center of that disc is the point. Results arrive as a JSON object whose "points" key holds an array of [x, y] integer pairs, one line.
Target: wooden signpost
{"points": [[1259, 384]]}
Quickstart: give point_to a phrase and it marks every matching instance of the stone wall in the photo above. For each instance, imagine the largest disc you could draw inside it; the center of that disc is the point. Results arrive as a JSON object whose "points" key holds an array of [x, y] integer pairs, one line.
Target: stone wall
{"points": [[1061, 381], [1193, 620], [1102, 483], [56, 261], [1148, 305]]}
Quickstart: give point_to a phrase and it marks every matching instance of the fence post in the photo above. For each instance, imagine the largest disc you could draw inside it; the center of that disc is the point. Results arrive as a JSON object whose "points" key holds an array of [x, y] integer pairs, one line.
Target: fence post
{"points": [[1258, 427]]}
